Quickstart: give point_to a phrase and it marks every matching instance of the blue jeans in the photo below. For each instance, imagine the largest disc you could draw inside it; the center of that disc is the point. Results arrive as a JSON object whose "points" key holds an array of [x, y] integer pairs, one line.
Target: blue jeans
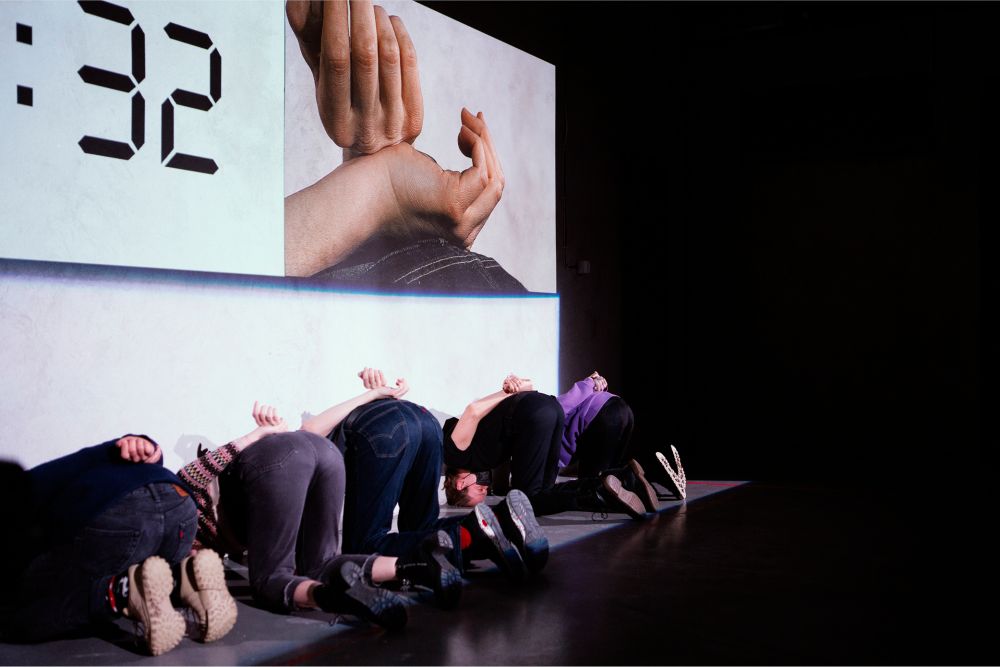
{"points": [[282, 498], [392, 450], [63, 590], [432, 265]]}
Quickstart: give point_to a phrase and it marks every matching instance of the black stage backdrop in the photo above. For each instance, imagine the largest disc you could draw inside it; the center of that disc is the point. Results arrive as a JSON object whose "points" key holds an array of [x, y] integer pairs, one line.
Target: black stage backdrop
{"points": [[798, 192]]}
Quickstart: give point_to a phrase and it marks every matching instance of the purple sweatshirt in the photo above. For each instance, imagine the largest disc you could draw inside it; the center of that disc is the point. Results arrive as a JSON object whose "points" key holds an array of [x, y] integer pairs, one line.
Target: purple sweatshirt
{"points": [[581, 404]]}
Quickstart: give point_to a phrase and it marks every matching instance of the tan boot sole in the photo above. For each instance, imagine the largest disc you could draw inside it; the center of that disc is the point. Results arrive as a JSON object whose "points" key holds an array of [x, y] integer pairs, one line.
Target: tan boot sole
{"points": [[205, 591], [149, 603]]}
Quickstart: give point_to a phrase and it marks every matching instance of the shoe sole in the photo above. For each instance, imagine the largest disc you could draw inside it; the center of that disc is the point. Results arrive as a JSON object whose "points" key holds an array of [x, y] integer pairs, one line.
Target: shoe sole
{"points": [[628, 501], [450, 581], [506, 555], [678, 480], [376, 605], [535, 551], [648, 495], [150, 596], [216, 609]]}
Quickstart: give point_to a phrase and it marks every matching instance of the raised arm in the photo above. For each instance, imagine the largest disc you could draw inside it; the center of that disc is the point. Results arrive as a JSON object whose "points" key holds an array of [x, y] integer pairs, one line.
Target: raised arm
{"points": [[465, 429], [376, 388]]}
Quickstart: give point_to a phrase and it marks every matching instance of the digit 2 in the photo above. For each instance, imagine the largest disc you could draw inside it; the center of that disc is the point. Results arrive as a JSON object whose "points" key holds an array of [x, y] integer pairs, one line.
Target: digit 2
{"points": [[186, 98]]}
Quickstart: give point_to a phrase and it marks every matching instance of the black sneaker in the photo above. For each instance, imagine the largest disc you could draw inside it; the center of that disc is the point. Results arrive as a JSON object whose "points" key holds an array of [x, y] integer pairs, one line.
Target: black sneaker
{"points": [[621, 499], [347, 592], [519, 524], [432, 570], [489, 541]]}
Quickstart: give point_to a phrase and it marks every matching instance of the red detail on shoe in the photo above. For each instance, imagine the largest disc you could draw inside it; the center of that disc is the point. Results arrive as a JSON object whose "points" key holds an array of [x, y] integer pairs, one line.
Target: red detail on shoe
{"points": [[111, 595], [485, 525], [464, 537]]}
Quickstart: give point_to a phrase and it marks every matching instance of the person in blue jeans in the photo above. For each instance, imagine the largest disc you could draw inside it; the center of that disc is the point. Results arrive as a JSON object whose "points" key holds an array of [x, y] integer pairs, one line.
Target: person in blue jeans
{"points": [[393, 455], [110, 536]]}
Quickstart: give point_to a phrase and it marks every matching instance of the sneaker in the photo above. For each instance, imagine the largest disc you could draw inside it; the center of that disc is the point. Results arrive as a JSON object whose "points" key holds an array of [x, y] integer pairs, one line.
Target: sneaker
{"points": [[489, 540], [203, 589], [517, 519], [643, 488], [347, 592], [431, 569], [621, 498], [149, 585], [676, 480]]}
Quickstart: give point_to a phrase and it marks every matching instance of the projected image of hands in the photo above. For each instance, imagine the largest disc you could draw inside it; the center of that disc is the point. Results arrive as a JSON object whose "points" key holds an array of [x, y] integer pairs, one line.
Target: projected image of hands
{"points": [[389, 217]]}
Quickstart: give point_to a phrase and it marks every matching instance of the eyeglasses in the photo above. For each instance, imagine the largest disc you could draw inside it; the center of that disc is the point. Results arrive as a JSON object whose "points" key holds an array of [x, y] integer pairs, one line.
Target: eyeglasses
{"points": [[484, 477]]}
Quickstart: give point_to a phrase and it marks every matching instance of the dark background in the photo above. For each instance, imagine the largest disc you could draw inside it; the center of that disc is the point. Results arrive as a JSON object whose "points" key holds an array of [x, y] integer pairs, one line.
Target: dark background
{"points": [[796, 192]]}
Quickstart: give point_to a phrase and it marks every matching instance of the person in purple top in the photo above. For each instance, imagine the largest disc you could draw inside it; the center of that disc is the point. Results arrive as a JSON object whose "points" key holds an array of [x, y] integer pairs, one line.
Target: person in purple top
{"points": [[536, 433], [598, 426]]}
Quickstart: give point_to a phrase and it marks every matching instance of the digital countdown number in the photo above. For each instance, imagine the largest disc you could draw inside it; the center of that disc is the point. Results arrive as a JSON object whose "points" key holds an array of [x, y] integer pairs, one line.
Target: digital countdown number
{"points": [[119, 145], [129, 83]]}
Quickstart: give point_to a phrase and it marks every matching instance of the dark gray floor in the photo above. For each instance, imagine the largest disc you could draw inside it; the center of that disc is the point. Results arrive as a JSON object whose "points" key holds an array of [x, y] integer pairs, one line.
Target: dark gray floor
{"points": [[261, 637]]}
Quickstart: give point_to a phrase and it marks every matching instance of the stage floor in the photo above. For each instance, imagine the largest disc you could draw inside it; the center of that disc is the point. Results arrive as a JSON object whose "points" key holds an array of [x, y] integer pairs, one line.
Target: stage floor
{"points": [[739, 574]]}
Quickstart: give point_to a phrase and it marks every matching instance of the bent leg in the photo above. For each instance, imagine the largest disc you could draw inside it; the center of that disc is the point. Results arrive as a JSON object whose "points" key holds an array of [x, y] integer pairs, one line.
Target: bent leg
{"points": [[63, 591], [604, 442], [277, 475], [533, 439]]}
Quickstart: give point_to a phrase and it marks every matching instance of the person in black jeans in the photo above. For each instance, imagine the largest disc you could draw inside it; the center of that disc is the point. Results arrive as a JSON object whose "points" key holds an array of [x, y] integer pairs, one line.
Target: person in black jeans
{"points": [[392, 452], [525, 428], [109, 535], [276, 497]]}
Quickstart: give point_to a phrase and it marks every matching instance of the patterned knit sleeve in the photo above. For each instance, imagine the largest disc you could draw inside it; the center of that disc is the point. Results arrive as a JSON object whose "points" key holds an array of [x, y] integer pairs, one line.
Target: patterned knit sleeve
{"points": [[201, 477]]}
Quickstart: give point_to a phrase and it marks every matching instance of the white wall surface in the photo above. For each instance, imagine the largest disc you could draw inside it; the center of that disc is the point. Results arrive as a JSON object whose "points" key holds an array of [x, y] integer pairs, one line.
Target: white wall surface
{"points": [[89, 353], [459, 66]]}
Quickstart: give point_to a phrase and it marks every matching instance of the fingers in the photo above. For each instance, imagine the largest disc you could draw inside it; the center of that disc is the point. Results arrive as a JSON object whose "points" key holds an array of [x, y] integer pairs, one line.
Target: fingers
{"points": [[413, 100], [135, 449], [333, 87], [389, 75], [372, 378], [364, 62], [265, 415], [401, 387], [306, 20], [496, 171], [481, 186]]}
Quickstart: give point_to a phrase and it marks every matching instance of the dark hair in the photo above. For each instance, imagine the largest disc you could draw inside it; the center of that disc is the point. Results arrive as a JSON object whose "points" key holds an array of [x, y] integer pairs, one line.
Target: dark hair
{"points": [[456, 497]]}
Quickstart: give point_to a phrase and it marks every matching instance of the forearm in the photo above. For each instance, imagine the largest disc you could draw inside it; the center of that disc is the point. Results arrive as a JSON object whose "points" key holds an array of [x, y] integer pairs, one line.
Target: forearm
{"points": [[327, 220], [200, 476], [465, 429], [324, 423]]}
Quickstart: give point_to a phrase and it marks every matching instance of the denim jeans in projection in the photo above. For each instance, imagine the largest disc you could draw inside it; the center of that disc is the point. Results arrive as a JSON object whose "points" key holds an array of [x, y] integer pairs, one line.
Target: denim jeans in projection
{"points": [[427, 265], [392, 450]]}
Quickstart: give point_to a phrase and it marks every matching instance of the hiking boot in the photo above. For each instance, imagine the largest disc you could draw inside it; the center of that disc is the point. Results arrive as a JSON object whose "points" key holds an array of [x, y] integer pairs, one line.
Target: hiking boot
{"points": [[347, 592], [150, 583], [203, 589], [517, 519], [431, 569]]}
